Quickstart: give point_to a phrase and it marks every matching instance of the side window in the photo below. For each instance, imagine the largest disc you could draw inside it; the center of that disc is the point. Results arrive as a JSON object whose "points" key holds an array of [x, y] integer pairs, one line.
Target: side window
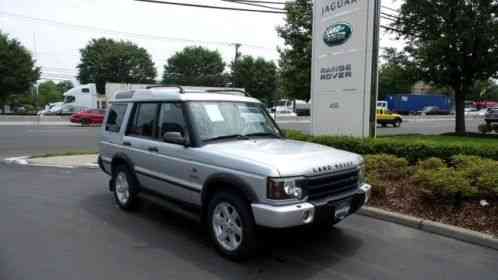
{"points": [[171, 119], [115, 118], [85, 90], [143, 122]]}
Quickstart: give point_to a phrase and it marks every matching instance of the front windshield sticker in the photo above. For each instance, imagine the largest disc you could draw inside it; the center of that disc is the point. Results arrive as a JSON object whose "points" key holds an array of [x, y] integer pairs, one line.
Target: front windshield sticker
{"points": [[213, 112]]}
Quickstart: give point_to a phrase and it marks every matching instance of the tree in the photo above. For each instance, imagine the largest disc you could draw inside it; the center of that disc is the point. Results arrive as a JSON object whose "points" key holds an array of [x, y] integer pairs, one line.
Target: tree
{"points": [[397, 74], [454, 43], [17, 69], [257, 76], [64, 86], [295, 57], [106, 60], [49, 92], [195, 66]]}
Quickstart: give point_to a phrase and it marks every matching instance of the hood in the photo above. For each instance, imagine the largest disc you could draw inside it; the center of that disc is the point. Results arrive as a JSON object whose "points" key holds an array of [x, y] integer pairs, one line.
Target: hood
{"points": [[287, 157]]}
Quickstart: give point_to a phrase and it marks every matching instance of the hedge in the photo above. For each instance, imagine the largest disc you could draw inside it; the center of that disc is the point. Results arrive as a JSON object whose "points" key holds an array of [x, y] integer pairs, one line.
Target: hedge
{"points": [[412, 151]]}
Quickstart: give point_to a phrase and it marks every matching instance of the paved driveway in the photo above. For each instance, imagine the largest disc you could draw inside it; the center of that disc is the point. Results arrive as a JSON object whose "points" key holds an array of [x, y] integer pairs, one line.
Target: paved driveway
{"points": [[63, 224]]}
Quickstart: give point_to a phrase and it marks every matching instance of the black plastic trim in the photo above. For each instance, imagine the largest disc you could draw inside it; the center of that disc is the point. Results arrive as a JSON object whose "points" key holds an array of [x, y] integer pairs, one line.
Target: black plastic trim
{"points": [[231, 180]]}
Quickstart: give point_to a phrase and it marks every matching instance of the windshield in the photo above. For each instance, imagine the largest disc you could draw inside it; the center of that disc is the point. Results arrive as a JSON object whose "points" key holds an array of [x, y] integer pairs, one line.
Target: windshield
{"points": [[214, 120]]}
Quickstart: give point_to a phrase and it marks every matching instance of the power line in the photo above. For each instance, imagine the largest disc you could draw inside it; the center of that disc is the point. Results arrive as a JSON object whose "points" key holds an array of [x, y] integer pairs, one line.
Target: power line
{"points": [[129, 34], [212, 7], [252, 4]]}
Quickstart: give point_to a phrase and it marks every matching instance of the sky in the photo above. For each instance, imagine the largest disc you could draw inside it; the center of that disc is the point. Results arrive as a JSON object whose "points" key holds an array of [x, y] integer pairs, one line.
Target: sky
{"points": [[55, 30]]}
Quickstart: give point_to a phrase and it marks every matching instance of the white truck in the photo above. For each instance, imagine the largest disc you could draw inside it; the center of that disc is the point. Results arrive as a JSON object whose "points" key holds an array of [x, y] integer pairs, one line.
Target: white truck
{"points": [[86, 97], [299, 107]]}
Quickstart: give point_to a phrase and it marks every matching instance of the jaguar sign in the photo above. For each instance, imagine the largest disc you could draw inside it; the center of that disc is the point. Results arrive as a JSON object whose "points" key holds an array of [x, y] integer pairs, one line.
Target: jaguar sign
{"points": [[337, 34], [344, 67]]}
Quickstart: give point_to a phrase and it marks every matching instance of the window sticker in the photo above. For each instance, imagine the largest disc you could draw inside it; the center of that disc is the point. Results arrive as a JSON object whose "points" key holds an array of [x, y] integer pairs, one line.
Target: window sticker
{"points": [[214, 113]]}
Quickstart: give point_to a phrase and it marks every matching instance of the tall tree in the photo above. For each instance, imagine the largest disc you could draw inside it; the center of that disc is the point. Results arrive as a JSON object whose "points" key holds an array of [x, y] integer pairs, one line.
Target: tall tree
{"points": [[295, 57], [106, 60], [257, 76], [195, 66], [64, 86], [17, 69], [453, 42], [49, 92], [397, 74]]}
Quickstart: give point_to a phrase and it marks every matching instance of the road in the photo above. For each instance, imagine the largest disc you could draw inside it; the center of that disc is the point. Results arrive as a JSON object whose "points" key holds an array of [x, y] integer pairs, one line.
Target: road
{"points": [[410, 126], [63, 224], [28, 140]]}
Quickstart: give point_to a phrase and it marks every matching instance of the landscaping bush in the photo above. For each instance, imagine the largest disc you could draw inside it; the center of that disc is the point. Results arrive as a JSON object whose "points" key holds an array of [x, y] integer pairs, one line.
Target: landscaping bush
{"points": [[413, 151], [444, 183], [431, 164], [482, 173], [386, 166]]}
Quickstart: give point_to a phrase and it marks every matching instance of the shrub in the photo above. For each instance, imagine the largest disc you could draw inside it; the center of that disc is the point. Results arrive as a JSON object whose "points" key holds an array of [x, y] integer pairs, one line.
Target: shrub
{"points": [[431, 164], [444, 183], [482, 173], [484, 128], [413, 151], [386, 166]]}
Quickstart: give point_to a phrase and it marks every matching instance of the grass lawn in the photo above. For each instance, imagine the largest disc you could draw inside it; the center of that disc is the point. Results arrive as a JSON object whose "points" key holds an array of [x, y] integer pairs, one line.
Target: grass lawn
{"points": [[447, 139]]}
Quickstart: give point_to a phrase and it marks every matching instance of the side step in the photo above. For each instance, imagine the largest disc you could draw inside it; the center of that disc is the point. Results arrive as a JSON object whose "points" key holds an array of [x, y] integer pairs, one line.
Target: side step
{"points": [[170, 206]]}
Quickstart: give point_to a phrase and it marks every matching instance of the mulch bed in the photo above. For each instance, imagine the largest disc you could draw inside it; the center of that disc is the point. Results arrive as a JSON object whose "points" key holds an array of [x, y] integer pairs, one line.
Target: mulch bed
{"points": [[402, 197]]}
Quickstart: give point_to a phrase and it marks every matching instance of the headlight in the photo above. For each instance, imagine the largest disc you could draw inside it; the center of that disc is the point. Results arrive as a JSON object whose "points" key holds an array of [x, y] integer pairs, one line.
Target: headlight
{"points": [[285, 188], [362, 174]]}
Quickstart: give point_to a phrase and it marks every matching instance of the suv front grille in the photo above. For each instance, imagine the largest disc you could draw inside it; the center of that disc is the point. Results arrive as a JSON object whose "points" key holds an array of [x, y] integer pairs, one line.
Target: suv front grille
{"points": [[331, 185]]}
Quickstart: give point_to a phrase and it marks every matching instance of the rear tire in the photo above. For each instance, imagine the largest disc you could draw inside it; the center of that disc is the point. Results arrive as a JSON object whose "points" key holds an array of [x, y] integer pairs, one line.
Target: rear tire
{"points": [[84, 122], [231, 226], [125, 188], [397, 123]]}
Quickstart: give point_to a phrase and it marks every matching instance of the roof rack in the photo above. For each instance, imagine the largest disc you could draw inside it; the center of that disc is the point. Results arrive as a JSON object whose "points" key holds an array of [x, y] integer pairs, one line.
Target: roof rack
{"points": [[161, 86], [228, 89]]}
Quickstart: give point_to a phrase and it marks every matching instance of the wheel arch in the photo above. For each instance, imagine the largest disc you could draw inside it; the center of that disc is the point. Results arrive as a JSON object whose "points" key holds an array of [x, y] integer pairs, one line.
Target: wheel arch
{"points": [[117, 160]]}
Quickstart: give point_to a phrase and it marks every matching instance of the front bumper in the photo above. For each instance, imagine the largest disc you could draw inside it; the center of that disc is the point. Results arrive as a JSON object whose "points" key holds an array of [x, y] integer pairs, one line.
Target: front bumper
{"points": [[307, 212]]}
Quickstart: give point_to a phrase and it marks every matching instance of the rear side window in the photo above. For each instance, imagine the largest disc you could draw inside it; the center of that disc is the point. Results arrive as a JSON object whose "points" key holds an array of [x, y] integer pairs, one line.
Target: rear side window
{"points": [[171, 119], [115, 117], [144, 120]]}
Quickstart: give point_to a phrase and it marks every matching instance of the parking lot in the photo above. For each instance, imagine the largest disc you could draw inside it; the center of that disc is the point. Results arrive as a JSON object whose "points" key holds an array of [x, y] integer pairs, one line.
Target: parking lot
{"points": [[63, 224]]}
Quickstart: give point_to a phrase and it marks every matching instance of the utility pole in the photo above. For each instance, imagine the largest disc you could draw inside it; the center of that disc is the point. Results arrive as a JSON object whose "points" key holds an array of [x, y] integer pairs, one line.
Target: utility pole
{"points": [[237, 53]]}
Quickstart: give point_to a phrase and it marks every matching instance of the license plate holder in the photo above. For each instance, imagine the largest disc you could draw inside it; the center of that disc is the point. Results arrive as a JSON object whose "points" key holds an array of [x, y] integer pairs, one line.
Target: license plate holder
{"points": [[341, 209]]}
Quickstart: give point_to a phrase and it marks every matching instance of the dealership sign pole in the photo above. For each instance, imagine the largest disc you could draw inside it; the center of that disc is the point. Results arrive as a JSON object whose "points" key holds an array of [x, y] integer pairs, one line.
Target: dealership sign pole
{"points": [[344, 67]]}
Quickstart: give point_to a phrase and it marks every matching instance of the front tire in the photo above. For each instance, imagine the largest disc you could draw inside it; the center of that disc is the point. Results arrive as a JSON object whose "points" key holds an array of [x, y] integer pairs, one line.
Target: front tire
{"points": [[231, 226], [125, 188], [84, 122]]}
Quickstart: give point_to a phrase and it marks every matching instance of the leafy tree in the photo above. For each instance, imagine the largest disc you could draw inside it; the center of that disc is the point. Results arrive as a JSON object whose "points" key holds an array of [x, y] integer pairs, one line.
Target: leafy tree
{"points": [[64, 86], [17, 69], [295, 57], [49, 92], [397, 74], [195, 66], [106, 60], [454, 43], [257, 76]]}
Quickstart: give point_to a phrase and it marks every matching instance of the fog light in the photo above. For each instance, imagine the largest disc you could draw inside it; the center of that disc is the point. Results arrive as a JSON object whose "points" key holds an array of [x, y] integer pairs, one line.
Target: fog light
{"points": [[308, 216], [367, 190]]}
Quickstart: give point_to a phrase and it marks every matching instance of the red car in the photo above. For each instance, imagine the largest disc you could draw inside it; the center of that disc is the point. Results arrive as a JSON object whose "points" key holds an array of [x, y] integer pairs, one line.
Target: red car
{"points": [[88, 117]]}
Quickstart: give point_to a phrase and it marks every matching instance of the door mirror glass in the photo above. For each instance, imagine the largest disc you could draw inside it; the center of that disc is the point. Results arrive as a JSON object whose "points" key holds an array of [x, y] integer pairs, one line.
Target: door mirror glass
{"points": [[174, 137]]}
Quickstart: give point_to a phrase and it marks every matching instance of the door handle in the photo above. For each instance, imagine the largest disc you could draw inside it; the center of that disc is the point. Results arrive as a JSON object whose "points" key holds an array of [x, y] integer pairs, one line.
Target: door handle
{"points": [[127, 143], [152, 149]]}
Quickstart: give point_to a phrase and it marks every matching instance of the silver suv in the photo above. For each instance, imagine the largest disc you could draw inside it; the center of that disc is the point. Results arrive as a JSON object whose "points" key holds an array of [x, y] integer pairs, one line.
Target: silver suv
{"points": [[217, 153]]}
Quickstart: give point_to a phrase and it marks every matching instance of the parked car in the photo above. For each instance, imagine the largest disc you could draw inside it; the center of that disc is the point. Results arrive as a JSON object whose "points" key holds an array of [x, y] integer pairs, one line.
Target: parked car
{"points": [[88, 117], [385, 117], [220, 157], [491, 115], [433, 110]]}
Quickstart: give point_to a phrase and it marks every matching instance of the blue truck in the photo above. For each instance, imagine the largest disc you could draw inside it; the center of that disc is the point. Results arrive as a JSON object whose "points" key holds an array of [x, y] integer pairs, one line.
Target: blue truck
{"points": [[413, 104]]}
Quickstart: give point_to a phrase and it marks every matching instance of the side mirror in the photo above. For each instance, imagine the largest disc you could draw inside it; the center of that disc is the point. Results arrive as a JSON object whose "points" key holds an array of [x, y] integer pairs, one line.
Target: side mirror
{"points": [[174, 137]]}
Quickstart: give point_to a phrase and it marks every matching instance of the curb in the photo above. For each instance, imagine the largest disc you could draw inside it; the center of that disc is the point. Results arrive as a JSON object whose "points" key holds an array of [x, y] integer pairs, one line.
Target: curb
{"points": [[454, 232]]}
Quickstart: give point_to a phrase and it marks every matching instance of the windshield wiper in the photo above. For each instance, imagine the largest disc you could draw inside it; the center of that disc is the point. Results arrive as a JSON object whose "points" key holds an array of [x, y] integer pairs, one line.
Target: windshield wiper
{"points": [[263, 134], [232, 136]]}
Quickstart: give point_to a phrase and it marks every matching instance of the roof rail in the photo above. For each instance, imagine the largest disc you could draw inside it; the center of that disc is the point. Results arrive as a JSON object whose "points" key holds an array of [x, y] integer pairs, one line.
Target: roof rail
{"points": [[161, 86], [228, 89]]}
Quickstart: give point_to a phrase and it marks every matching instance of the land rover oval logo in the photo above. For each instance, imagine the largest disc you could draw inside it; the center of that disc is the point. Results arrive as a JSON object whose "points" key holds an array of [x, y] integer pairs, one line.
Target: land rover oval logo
{"points": [[337, 34]]}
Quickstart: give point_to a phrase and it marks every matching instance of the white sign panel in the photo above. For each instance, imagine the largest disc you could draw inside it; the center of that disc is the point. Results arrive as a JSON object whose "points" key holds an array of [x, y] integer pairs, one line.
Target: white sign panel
{"points": [[344, 66]]}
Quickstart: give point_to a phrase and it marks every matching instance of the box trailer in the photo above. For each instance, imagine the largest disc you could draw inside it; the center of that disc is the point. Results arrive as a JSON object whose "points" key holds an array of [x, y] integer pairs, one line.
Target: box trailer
{"points": [[411, 104]]}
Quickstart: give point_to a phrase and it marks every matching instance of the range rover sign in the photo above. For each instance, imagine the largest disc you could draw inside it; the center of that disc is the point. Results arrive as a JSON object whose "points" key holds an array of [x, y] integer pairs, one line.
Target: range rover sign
{"points": [[337, 34], [344, 67]]}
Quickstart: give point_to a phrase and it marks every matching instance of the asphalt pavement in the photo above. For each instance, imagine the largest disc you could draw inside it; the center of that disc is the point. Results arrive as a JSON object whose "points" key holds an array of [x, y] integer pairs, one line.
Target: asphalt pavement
{"points": [[63, 224]]}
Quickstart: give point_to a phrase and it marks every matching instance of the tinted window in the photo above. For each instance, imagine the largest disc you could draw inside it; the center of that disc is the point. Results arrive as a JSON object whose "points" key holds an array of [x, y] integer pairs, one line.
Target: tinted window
{"points": [[171, 119], [143, 122], [85, 90], [115, 118]]}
